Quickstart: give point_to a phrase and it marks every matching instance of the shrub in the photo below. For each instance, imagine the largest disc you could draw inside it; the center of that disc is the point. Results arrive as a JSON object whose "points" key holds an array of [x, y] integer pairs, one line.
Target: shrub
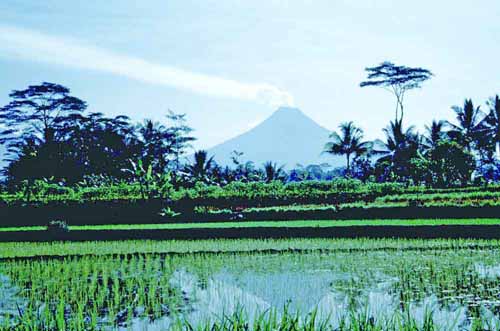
{"points": [[168, 212], [57, 227]]}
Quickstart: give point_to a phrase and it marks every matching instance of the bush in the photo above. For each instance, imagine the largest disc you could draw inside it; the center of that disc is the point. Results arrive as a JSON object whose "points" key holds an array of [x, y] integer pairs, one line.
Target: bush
{"points": [[57, 227]]}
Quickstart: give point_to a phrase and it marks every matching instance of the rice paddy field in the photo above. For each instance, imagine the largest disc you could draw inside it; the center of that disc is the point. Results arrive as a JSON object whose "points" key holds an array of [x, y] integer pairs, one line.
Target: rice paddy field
{"points": [[288, 284]]}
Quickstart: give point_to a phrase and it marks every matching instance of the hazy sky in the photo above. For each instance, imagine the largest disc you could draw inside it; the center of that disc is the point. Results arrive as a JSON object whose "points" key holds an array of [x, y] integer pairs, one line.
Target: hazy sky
{"points": [[229, 64]]}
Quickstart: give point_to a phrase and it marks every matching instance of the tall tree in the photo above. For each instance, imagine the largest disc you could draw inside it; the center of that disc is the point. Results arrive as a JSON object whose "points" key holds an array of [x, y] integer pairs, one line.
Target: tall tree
{"points": [[470, 125], [349, 143], [38, 117], [38, 112], [396, 79], [493, 122]]}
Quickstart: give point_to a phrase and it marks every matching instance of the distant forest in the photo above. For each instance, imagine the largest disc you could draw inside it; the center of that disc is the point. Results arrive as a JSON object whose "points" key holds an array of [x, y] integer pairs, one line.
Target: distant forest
{"points": [[50, 135]]}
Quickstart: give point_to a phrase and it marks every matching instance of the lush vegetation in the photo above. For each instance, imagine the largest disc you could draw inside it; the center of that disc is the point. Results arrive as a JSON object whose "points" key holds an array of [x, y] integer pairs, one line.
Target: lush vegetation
{"points": [[69, 169], [257, 194], [323, 285], [51, 136], [125, 203], [60, 154]]}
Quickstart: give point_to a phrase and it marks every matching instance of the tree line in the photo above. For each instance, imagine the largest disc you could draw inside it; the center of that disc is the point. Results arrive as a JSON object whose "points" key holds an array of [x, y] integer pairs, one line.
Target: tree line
{"points": [[50, 135], [449, 153]]}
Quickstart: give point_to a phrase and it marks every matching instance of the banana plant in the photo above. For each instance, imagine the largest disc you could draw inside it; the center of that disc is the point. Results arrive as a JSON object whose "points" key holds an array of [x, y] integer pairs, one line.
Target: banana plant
{"points": [[161, 185], [151, 185], [140, 175]]}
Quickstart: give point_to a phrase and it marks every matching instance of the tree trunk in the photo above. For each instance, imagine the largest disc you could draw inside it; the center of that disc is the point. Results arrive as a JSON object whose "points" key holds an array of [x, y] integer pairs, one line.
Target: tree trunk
{"points": [[348, 158], [396, 113], [402, 112], [48, 135]]}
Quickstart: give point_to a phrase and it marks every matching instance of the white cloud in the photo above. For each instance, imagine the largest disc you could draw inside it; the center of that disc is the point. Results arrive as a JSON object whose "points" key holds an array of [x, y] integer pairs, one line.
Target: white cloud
{"points": [[35, 46]]}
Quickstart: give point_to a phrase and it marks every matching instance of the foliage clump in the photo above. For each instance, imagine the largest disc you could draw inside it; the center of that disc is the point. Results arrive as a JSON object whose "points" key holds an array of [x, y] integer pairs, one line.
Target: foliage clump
{"points": [[57, 227]]}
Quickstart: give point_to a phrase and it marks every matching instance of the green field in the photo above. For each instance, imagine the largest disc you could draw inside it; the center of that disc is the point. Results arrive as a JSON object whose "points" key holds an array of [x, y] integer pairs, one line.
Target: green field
{"points": [[25, 249], [253, 224], [293, 284], [247, 284]]}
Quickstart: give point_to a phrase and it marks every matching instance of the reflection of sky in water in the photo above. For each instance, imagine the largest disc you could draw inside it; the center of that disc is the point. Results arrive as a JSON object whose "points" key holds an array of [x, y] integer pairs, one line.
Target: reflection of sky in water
{"points": [[222, 285], [256, 293], [10, 302], [300, 290], [487, 271], [307, 285]]}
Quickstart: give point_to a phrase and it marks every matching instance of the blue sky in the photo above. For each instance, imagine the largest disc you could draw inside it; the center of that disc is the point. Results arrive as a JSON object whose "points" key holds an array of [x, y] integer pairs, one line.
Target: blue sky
{"points": [[228, 64]]}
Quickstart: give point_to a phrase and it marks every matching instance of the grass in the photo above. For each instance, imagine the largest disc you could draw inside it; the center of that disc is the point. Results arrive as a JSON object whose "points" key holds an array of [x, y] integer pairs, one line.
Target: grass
{"points": [[253, 224]]}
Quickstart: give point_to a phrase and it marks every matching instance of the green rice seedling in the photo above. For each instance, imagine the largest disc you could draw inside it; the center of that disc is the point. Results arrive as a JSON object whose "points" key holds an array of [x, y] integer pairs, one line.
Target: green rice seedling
{"points": [[336, 284]]}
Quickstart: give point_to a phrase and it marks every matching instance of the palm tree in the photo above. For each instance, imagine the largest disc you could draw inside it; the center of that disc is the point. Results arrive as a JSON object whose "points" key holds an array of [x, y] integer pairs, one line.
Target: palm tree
{"points": [[470, 125], [155, 140], [400, 146], [248, 173], [397, 139], [493, 122], [273, 171], [349, 142], [180, 137], [434, 133], [201, 167]]}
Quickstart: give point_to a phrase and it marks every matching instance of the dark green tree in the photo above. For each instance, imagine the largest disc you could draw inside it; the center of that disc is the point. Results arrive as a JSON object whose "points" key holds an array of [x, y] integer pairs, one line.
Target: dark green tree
{"points": [[273, 172], [396, 152], [243, 171], [38, 117], [362, 169], [493, 123], [450, 164], [180, 135], [22, 170], [434, 133], [114, 144], [248, 172], [349, 143], [469, 127], [37, 112], [201, 168], [156, 143]]}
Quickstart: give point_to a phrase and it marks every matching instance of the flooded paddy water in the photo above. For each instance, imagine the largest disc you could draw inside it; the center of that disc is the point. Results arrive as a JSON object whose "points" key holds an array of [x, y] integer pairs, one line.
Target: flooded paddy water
{"points": [[454, 289]]}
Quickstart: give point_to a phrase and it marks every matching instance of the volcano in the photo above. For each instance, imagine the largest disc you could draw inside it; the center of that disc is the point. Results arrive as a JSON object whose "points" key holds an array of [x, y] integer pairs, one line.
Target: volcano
{"points": [[287, 137]]}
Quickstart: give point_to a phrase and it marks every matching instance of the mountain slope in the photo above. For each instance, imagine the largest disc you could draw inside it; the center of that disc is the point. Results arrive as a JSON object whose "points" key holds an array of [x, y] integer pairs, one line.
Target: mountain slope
{"points": [[3, 151], [287, 137]]}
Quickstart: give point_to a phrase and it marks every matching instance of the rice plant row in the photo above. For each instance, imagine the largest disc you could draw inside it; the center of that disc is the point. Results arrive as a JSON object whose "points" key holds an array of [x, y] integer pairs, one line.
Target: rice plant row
{"points": [[376, 285]]}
